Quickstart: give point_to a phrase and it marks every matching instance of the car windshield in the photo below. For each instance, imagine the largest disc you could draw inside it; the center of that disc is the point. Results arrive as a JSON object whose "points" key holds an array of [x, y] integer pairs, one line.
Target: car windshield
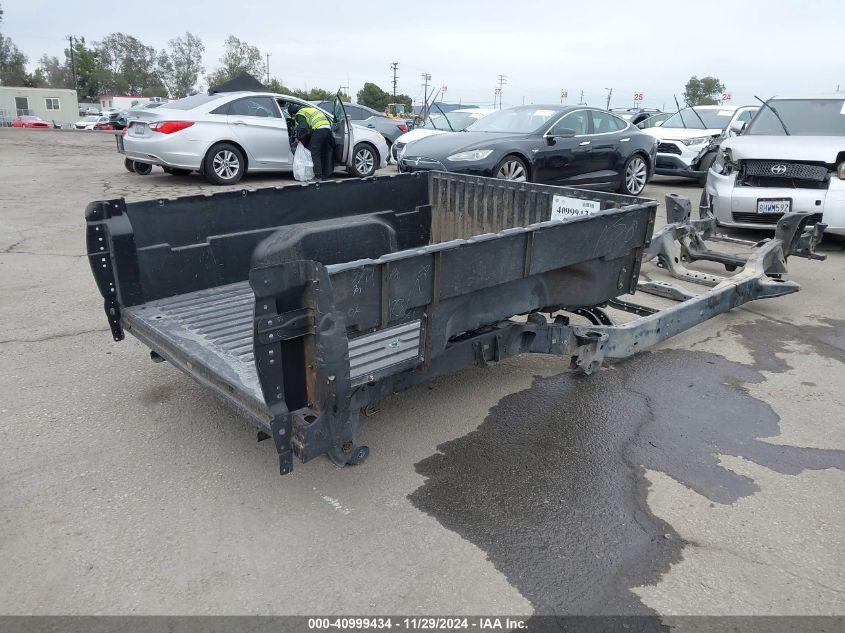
{"points": [[521, 120], [458, 120], [189, 103], [714, 119], [802, 117], [91, 119]]}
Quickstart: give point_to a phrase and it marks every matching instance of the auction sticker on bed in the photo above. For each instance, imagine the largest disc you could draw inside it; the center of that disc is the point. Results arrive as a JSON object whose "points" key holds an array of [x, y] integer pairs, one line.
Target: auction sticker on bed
{"points": [[563, 207]]}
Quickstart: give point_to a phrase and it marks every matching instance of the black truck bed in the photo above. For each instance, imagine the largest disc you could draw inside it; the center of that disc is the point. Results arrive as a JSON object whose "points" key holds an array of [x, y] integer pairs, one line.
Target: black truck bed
{"points": [[303, 305]]}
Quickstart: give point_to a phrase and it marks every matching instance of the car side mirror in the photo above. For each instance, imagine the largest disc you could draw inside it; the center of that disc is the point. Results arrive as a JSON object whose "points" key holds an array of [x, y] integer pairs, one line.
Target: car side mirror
{"points": [[562, 133], [737, 127]]}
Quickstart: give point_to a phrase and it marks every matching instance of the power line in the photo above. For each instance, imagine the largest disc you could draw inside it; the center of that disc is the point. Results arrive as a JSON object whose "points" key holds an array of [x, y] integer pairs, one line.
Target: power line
{"points": [[70, 40], [426, 77], [394, 67], [502, 81]]}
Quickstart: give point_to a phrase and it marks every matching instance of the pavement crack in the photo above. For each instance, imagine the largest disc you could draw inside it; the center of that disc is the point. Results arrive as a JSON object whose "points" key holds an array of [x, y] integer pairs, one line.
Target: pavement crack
{"points": [[10, 252], [52, 337], [763, 563], [11, 247]]}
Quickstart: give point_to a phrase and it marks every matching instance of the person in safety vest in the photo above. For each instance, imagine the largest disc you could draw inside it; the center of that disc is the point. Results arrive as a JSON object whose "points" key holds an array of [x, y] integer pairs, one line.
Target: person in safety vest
{"points": [[314, 130]]}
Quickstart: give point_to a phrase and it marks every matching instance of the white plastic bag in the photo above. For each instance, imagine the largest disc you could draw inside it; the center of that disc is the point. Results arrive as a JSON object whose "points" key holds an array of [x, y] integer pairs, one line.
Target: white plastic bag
{"points": [[303, 166]]}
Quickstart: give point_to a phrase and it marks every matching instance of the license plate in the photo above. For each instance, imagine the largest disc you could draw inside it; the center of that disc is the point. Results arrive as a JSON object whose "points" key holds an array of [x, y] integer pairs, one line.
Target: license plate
{"points": [[138, 129], [774, 205]]}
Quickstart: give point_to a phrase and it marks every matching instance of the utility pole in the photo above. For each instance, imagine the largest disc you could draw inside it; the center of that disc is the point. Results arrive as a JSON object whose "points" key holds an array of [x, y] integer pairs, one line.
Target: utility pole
{"points": [[609, 94], [268, 67], [394, 67], [70, 41], [581, 100], [426, 77], [502, 81]]}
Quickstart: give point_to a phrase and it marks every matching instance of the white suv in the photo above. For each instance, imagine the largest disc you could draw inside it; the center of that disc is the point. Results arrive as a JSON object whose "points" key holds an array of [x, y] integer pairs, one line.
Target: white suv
{"points": [[687, 141], [790, 158]]}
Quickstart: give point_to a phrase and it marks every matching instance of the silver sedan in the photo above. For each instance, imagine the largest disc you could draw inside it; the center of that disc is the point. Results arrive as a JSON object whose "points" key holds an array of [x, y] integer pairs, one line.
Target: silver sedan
{"points": [[225, 135]]}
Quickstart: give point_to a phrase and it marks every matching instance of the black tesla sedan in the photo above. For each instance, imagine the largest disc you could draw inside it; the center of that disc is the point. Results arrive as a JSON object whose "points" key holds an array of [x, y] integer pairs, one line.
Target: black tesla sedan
{"points": [[575, 146]]}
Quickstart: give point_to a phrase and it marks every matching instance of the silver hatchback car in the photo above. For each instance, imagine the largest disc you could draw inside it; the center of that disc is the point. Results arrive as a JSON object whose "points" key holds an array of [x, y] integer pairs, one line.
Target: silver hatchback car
{"points": [[225, 135]]}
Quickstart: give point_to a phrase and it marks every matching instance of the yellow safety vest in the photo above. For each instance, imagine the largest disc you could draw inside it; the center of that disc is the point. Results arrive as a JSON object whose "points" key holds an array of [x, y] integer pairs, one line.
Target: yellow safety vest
{"points": [[314, 118]]}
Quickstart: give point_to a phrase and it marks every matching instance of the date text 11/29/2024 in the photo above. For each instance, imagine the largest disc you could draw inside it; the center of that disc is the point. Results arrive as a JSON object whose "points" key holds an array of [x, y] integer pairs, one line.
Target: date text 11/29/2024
{"points": [[422, 623]]}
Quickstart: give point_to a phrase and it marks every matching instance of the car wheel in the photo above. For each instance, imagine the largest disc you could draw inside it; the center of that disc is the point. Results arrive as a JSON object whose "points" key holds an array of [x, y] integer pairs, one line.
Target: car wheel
{"points": [[173, 171], [143, 169], [224, 164], [512, 168], [129, 164], [365, 160], [704, 166], [634, 176]]}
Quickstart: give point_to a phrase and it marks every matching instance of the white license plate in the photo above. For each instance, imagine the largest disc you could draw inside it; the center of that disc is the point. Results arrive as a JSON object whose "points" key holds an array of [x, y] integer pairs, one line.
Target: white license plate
{"points": [[138, 129], [774, 205]]}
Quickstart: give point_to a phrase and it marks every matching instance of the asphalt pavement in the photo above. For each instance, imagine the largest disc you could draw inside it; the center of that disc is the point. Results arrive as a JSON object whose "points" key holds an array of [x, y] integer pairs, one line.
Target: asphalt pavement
{"points": [[702, 477]]}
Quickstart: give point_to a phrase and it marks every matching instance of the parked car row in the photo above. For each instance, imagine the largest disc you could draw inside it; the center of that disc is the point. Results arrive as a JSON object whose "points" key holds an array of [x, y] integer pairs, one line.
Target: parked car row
{"points": [[758, 162]]}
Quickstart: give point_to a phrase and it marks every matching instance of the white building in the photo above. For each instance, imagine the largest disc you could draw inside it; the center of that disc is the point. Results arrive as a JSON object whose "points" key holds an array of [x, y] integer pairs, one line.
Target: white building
{"points": [[51, 104], [124, 102]]}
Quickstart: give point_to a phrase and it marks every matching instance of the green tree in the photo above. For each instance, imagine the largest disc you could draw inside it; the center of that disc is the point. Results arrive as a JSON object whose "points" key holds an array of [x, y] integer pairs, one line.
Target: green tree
{"points": [[13, 64], [56, 74], [704, 91], [180, 67], [91, 76], [313, 94], [373, 97], [129, 65], [238, 57]]}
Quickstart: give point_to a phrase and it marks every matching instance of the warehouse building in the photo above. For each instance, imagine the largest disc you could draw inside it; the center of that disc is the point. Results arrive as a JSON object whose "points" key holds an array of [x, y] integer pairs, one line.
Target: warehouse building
{"points": [[51, 104]]}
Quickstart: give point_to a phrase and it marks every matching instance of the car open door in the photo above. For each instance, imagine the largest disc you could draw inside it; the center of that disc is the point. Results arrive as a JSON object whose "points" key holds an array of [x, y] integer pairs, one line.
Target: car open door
{"points": [[342, 132]]}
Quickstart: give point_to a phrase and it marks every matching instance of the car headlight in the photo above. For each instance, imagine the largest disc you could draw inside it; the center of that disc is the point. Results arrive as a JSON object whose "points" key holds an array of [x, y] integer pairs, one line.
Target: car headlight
{"points": [[475, 154], [698, 140]]}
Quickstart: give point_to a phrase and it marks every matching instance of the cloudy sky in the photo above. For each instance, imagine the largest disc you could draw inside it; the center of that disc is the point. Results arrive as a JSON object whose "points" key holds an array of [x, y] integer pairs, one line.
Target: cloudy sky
{"points": [[754, 47]]}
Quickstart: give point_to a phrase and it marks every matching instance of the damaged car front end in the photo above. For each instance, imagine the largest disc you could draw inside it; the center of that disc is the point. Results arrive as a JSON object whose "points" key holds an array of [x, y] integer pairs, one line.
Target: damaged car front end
{"points": [[760, 176]]}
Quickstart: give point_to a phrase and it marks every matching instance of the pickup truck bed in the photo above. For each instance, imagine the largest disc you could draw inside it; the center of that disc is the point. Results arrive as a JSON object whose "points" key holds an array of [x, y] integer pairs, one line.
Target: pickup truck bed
{"points": [[303, 305]]}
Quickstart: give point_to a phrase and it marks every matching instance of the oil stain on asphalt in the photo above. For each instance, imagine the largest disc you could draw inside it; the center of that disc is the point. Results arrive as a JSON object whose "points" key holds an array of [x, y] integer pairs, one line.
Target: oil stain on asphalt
{"points": [[551, 485]]}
